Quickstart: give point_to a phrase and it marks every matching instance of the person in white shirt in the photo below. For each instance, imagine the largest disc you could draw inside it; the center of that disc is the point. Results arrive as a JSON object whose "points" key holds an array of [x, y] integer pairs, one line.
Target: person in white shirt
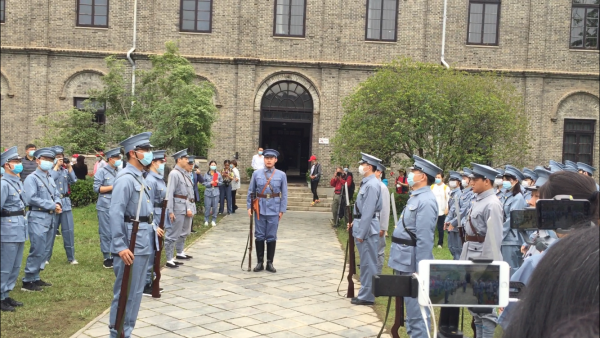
{"points": [[442, 195], [235, 183], [258, 160]]}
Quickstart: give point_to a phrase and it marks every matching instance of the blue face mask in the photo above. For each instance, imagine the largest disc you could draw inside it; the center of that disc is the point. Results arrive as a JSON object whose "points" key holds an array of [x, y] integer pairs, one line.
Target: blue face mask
{"points": [[213, 167], [148, 157], [45, 165], [411, 179], [260, 152], [2, 170], [438, 180], [506, 185], [18, 168], [161, 168], [31, 152], [231, 166], [118, 163], [346, 169]]}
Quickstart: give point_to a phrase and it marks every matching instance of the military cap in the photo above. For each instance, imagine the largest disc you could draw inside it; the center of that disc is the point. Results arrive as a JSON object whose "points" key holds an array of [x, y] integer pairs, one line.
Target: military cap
{"points": [[542, 175], [571, 169], [557, 164], [426, 166], [484, 171], [380, 167], [455, 175], [528, 173], [514, 172], [570, 163], [58, 150], [191, 158], [500, 172], [586, 167], [180, 154], [366, 158], [114, 152], [137, 141], [46, 152], [159, 154], [9, 155], [555, 168], [270, 153], [467, 172]]}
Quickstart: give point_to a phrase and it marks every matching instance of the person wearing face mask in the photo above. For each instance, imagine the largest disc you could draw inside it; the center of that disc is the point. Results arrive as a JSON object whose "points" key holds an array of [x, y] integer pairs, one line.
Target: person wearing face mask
{"points": [[225, 188], [528, 181], [442, 195], [412, 240], [384, 217], [587, 170], [235, 184], [43, 199], [64, 177], [212, 182], [29, 162], [366, 227], [487, 208], [155, 183], [454, 241], [500, 191], [181, 204], [466, 201], [103, 186], [12, 226], [258, 160], [1, 172], [130, 194], [401, 184], [513, 200]]}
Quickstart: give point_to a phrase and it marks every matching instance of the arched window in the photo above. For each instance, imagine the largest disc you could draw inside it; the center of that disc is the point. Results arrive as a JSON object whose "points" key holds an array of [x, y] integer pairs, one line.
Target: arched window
{"points": [[287, 95]]}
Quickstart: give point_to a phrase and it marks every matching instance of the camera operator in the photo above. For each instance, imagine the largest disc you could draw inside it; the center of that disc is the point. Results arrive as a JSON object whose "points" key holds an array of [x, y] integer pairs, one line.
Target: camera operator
{"points": [[339, 179], [477, 244]]}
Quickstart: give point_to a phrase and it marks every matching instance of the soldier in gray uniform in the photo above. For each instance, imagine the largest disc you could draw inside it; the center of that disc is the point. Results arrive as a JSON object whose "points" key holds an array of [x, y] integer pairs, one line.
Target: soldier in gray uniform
{"points": [[528, 181], [103, 185], [412, 240], [13, 227], [513, 200], [272, 201], [588, 170], [63, 178], [43, 199], [454, 241], [384, 218], [180, 201], [129, 187], [156, 183], [479, 243]]}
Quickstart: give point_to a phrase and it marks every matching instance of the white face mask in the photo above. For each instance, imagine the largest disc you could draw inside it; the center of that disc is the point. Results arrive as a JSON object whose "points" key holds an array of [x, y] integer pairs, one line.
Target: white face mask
{"points": [[525, 184], [361, 170], [498, 182], [452, 184], [464, 183]]}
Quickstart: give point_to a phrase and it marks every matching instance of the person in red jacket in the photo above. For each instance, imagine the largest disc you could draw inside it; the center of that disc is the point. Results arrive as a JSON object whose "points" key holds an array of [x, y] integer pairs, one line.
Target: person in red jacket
{"points": [[401, 183], [337, 182]]}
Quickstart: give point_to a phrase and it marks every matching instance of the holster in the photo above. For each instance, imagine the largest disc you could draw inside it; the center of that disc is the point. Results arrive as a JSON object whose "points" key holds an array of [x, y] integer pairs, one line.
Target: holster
{"points": [[255, 205]]}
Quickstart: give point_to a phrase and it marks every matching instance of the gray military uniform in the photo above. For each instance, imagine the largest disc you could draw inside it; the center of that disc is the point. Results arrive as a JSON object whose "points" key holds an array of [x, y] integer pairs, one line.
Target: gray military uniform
{"points": [[104, 177], [180, 198]]}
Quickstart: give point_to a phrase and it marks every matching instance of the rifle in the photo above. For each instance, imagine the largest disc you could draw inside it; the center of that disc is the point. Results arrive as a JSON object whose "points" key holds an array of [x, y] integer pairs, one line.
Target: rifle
{"points": [[461, 230], [250, 234], [351, 261], [157, 254], [126, 279]]}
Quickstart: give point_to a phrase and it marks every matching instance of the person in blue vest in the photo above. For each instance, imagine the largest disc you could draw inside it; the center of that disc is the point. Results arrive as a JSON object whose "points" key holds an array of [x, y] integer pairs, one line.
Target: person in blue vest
{"points": [[43, 199], [412, 241], [451, 221], [129, 187], [156, 183], [587, 170], [513, 200], [64, 176], [272, 201], [103, 186], [13, 227]]}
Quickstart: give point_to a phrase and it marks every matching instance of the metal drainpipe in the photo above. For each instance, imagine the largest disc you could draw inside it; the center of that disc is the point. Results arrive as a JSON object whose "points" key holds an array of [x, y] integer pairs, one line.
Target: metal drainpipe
{"points": [[444, 36], [132, 50]]}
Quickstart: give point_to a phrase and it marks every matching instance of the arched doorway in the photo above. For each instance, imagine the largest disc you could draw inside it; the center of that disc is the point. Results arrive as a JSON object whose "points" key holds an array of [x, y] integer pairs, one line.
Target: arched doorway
{"points": [[286, 118]]}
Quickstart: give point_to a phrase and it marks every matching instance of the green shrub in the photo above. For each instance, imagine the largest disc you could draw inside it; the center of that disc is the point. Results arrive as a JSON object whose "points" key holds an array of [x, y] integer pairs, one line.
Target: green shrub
{"points": [[401, 200], [249, 172], [82, 192], [200, 201]]}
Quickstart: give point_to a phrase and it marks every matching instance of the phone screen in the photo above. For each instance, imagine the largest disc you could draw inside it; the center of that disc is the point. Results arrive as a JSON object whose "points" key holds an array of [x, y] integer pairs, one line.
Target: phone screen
{"points": [[454, 284], [523, 219], [561, 214]]}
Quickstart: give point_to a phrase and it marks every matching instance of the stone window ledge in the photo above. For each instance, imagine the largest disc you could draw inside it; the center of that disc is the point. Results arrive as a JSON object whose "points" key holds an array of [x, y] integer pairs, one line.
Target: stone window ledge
{"points": [[381, 42], [93, 28], [288, 37], [584, 50], [194, 33], [482, 46]]}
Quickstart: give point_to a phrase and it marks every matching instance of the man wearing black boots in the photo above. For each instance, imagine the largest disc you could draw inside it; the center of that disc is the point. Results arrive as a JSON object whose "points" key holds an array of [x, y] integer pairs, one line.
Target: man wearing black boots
{"points": [[269, 187]]}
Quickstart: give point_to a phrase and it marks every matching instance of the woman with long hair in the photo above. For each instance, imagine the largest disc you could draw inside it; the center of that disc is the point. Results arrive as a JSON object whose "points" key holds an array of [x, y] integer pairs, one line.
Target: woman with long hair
{"points": [[513, 200], [212, 182]]}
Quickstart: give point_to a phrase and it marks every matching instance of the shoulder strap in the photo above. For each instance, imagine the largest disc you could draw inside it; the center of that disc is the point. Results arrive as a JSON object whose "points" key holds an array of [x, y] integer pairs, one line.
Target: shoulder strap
{"points": [[44, 184], [410, 233], [143, 185], [19, 191], [268, 182]]}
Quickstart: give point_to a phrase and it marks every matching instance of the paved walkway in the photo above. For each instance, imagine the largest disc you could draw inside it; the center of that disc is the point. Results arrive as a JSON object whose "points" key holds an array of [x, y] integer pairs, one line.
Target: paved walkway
{"points": [[210, 296]]}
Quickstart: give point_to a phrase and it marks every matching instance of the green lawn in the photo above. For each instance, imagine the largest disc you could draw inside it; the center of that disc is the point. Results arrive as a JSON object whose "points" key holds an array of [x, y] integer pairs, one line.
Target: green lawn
{"points": [[381, 302], [79, 292]]}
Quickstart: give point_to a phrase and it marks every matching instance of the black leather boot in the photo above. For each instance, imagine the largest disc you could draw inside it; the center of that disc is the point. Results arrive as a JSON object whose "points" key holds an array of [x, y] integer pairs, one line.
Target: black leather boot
{"points": [[270, 255], [260, 255]]}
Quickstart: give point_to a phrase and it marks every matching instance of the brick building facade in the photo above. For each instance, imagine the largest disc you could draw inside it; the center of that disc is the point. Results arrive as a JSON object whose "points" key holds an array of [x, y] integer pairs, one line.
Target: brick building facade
{"points": [[53, 50]]}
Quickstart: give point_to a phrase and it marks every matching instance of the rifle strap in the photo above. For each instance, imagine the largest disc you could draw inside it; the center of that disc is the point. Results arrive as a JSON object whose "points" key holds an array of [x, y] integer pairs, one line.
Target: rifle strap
{"points": [[344, 269], [410, 233], [387, 312], [268, 182]]}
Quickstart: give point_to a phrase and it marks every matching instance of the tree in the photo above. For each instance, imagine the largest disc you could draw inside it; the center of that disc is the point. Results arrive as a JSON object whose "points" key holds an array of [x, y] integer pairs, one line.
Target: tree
{"points": [[447, 116], [168, 101]]}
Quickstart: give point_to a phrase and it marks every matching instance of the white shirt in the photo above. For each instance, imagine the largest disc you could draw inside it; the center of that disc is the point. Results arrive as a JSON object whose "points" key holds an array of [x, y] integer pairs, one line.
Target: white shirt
{"points": [[258, 162], [384, 214], [312, 170], [236, 174], [442, 195]]}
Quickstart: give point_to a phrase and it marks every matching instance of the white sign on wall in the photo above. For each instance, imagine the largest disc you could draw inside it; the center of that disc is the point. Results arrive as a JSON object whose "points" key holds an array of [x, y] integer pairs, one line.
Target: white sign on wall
{"points": [[323, 141]]}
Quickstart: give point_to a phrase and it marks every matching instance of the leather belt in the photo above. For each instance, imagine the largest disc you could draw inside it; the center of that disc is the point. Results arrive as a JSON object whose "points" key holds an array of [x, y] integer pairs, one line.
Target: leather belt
{"points": [[6, 213], [65, 195], [359, 216], [40, 209], [184, 197], [273, 195], [478, 239], [158, 205], [409, 242], [143, 219]]}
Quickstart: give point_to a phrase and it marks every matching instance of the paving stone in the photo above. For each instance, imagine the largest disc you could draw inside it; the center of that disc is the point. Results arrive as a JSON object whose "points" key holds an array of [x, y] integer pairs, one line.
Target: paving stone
{"points": [[328, 327], [219, 326], [240, 333], [266, 328], [149, 331], [193, 332]]}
